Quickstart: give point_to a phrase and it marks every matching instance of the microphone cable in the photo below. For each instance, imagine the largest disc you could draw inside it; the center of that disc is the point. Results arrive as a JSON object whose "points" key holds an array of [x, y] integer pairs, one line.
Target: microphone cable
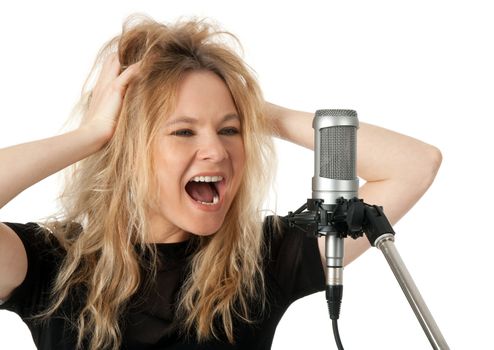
{"points": [[334, 295], [336, 333]]}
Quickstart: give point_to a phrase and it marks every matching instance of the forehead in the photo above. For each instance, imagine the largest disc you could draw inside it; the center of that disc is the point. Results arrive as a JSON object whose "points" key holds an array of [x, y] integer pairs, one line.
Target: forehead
{"points": [[184, 119], [203, 94]]}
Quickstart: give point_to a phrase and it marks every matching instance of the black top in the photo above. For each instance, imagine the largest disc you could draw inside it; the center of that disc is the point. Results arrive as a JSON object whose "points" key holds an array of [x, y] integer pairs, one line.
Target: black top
{"points": [[292, 268]]}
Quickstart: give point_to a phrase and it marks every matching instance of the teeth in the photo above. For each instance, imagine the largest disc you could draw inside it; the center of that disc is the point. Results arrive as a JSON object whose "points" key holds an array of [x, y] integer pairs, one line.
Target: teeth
{"points": [[207, 178], [215, 200]]}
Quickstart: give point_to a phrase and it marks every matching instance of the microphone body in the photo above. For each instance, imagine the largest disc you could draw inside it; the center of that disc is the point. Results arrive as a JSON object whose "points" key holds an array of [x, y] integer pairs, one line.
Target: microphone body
{"points": [[335, 176]]}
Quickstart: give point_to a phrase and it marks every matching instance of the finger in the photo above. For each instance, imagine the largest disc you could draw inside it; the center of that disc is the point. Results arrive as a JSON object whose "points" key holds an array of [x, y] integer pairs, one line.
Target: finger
{"points": [[128, 75], [109, 70]]}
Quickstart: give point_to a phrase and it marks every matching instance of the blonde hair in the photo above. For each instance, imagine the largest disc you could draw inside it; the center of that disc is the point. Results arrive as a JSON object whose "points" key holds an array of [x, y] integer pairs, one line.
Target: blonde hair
{"points": [[110, 191]]}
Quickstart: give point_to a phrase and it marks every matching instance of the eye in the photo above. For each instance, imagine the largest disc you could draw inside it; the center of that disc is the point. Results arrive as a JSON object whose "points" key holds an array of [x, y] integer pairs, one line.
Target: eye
{"points": [[229, 131], [183, 133]]}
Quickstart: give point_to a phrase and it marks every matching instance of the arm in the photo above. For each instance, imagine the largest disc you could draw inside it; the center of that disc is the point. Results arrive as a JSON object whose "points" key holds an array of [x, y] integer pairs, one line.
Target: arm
{"points": [[28, 164], [397, 169], [31, 162]]}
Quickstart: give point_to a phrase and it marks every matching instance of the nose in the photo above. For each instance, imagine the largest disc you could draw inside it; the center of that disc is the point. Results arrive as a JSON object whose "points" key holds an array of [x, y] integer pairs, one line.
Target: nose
{"points": [[212, 149]]}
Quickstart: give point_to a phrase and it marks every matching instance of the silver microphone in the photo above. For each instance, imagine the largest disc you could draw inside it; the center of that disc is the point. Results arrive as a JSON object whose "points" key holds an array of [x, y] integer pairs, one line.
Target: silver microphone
{"points": [[335, 176]]}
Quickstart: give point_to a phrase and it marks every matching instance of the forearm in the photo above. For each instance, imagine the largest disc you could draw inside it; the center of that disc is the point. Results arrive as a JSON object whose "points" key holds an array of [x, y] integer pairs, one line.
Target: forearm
{"points": [[385, 159], [291, 125], [23, 165], [396, 169]]}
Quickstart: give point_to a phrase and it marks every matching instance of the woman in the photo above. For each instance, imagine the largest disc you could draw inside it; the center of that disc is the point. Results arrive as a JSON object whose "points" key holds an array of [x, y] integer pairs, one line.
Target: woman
{"points": [[161, 243]]}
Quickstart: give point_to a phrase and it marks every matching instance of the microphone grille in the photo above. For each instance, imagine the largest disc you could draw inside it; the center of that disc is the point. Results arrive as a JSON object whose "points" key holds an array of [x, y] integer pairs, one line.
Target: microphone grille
{"points": [[338, 146], [336, 113]]}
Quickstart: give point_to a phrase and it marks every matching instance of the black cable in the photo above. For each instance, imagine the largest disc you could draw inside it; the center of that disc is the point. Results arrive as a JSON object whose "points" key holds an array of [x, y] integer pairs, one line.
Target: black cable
{"points": [[334, 295], [337, 335]]}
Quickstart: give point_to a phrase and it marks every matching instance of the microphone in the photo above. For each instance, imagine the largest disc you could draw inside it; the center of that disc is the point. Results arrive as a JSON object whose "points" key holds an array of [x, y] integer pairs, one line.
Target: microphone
{"points": [[334, 177]]}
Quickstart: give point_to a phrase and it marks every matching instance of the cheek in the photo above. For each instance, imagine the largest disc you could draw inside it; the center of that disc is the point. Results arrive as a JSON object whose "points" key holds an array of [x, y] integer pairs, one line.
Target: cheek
{"points": [[241, 163], [169, 166], [239, 160]]}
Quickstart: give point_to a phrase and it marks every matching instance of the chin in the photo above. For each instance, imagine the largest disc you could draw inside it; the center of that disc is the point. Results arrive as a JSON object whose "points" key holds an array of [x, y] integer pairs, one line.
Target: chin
{"points": [[203, 232], [204, 228]]}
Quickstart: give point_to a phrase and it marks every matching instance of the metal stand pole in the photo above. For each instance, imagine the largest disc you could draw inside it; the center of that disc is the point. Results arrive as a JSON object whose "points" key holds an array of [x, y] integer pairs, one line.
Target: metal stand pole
{"points": [[385, 243], [352, 218]]}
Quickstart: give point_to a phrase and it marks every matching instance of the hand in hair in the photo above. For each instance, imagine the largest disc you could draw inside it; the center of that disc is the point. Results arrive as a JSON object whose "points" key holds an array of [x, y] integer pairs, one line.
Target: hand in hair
{"points": [[107, 96]]}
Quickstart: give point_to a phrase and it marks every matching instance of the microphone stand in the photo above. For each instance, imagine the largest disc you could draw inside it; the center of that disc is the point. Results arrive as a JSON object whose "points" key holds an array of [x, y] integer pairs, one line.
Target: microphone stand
{"points": [[354, 217]]}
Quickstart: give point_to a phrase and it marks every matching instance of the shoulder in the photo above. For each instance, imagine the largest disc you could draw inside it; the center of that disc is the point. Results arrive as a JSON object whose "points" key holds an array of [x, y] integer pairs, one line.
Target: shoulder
{"points": [[287, 245], [23, 229], [292, 259], [37, 238], [44, 255], [279, 235]]}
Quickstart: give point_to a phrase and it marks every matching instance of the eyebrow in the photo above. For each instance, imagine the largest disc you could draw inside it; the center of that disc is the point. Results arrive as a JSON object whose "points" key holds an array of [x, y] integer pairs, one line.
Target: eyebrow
{"points": [[190, 120]]}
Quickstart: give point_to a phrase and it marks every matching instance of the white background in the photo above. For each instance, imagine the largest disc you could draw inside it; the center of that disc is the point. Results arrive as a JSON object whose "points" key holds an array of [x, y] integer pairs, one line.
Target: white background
{"points": [[423, 68]]}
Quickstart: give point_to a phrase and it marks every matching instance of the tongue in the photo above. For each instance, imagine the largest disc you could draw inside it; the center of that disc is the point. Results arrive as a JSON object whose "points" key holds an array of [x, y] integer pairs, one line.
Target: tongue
{"points": [[200, 191]]}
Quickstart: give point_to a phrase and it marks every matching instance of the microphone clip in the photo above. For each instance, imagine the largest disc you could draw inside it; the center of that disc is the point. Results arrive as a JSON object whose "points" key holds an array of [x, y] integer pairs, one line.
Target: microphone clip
{"points": [[348, 217]]}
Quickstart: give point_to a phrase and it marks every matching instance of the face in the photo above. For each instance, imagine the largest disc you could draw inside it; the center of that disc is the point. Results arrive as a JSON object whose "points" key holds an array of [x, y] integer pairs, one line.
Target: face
{"points": [[199, 160]]}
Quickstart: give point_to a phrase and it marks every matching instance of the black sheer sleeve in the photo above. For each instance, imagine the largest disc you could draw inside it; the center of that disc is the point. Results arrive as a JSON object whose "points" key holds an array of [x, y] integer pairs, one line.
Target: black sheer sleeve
{"points": [[43, 255], [294, 261]]}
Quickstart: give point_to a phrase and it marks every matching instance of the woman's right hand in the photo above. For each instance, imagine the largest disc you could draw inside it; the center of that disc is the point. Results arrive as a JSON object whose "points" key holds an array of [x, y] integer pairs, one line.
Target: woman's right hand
{"points": [[107, 97]]}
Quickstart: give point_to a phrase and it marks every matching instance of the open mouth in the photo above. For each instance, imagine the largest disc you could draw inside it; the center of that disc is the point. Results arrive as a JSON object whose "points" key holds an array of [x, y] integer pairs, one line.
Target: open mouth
{"points": [[205, 189]]}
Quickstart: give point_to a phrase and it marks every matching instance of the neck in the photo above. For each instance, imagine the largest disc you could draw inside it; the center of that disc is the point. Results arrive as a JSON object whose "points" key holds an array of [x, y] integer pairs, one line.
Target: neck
{"points": [[163, 231]]}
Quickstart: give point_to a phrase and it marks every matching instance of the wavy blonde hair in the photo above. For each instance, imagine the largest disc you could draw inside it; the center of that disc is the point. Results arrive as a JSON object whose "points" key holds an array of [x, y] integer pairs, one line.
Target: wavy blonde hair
{"points": [[110, 192]]}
